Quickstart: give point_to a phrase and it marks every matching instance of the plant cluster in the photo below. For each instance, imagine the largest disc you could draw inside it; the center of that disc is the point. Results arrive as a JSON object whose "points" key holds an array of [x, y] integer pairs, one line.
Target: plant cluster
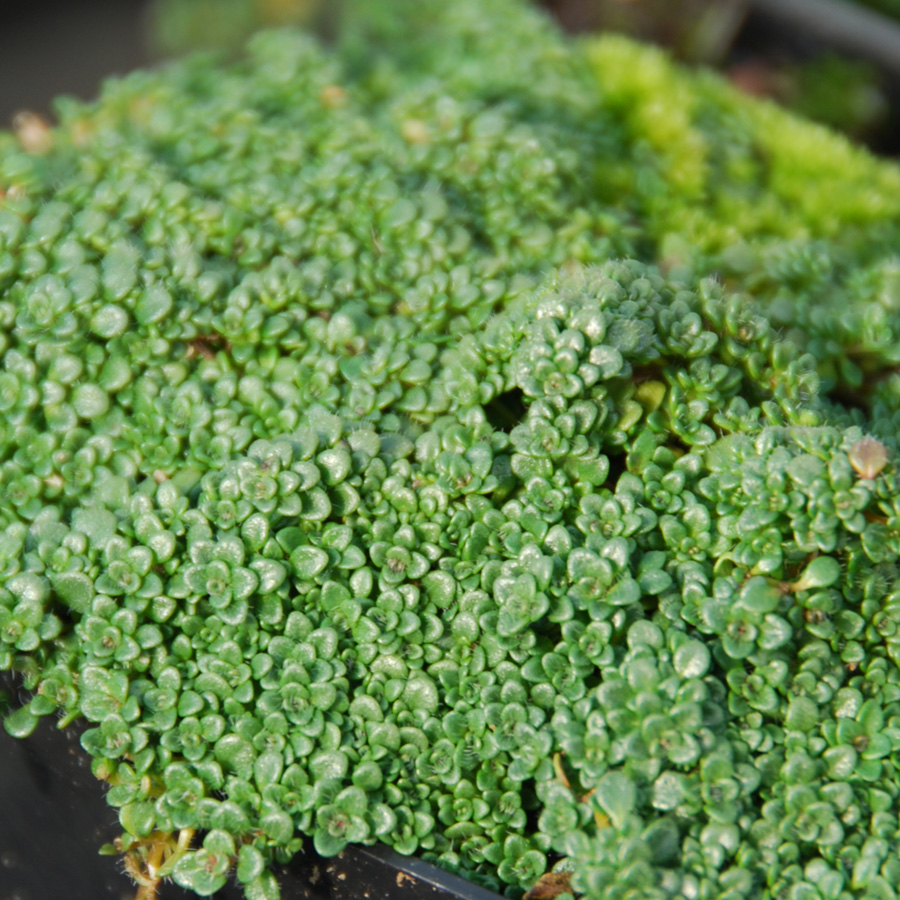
{"points": [[357, 487]]}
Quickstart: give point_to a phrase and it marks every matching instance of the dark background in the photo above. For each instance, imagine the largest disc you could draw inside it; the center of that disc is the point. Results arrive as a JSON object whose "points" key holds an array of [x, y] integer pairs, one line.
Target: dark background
{"points": [[49, 47]]}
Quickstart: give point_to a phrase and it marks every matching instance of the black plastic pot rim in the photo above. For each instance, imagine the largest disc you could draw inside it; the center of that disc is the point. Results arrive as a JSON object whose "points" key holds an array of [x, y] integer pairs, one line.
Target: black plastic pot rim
{"points": [[842, 25], [46, 777]]}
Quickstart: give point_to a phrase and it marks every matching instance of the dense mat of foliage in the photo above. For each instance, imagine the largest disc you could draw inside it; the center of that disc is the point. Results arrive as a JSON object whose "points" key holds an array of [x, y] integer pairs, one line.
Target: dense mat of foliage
{"points": [[357, 485]]}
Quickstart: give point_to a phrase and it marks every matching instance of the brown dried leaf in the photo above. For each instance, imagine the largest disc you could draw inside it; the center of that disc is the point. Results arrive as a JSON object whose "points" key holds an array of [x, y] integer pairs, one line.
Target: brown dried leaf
{"points": [[868, 456], [550, 885]]}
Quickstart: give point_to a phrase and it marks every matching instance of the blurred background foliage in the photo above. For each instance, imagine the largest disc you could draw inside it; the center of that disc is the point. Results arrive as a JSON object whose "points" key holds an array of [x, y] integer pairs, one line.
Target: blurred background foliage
{"points": [[68, 48], [178, 26]]}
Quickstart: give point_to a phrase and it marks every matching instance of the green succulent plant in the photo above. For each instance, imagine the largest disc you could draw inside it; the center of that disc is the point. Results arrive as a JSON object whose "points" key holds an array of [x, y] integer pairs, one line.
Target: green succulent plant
{"points": [[464, 439]]}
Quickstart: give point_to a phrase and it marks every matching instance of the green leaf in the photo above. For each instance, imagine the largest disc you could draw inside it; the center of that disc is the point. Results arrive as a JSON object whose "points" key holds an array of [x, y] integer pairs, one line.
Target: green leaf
{"points": [[822, 572], [102, 692], [511, 621], [774, 632], [264, 887], [322, 696], [802, 714], [291, 538], [307, 562], [759, 596], [243, 582], [153, 305], [644, 633], [90, 401], [383, 818], [327, 844], [278, 826], [624, 593], [316, 505], [268, 767], [329, 765], [271, 574], [201, 872], [21, 723], [41, 705], [440, 588], [421, 693], [220, 843], [236, 755], [692, 659], [251, 863], [138, 818], [871, 717], [668, 791], [841, 762], [366, 707], [654, 581], [352, 800], [617, 795], [806, 469], [878, 747], [607, 359], [74, 589], [97, 523]]}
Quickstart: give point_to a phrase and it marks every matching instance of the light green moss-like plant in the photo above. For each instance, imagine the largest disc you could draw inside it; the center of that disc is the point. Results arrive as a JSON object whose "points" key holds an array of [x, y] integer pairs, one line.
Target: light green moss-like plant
{"points": [[464, 439]]}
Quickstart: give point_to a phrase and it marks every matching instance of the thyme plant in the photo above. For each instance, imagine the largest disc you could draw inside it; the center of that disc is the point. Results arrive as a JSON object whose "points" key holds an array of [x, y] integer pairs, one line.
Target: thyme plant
{"points": [[466, 439]]}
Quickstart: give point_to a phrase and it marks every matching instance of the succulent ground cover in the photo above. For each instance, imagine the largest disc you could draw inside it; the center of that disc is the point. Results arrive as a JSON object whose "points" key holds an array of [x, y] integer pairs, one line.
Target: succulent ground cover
{"points": [[466, 439]]}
